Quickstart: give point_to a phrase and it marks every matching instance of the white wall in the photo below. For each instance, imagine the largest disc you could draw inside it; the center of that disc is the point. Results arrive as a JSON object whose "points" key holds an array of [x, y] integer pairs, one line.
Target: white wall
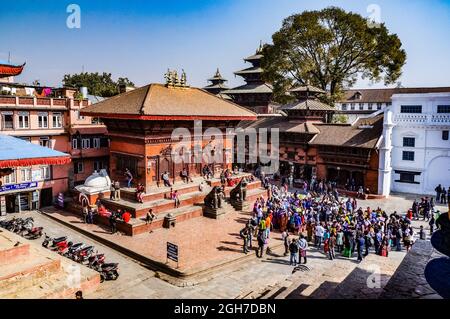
{"points": [[431, 152]]}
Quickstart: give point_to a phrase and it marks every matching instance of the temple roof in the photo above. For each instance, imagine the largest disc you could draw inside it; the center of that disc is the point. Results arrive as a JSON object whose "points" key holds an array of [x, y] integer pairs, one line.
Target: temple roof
{"points": [[356, 135], [158, 101], [307, 88], [251, 70], [7, 69], [217, 77], [283, 124], [15, 152], [250, 88], [310, 104], [216, 86]]}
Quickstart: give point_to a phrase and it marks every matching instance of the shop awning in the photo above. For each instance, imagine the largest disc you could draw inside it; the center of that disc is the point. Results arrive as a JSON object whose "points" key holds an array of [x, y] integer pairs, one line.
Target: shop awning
{"points": [[15, 152]]}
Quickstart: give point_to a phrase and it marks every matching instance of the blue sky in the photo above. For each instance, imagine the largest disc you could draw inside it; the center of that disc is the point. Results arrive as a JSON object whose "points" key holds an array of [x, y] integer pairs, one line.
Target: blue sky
{"points": [[141, 39]]}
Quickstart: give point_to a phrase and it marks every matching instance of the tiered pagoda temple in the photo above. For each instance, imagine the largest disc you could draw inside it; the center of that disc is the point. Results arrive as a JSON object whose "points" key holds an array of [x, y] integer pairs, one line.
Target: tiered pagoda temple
{"points": [[256, 94], [217, 85], [140, 125]]}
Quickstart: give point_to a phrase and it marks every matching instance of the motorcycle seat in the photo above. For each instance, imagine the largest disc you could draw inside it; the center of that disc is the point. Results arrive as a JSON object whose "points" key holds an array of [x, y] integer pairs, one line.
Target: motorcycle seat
{"points": [[59, 239]]}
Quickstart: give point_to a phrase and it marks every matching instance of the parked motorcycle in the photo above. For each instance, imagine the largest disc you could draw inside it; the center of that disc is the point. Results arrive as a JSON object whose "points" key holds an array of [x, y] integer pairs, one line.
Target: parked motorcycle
{"points": [[83, 254], [109, 271], [34, 233], [52, 242], [95, 261]]}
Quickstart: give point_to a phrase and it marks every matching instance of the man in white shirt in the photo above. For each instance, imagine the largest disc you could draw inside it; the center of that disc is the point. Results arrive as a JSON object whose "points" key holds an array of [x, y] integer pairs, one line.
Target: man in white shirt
{"points": [[319, 236]]}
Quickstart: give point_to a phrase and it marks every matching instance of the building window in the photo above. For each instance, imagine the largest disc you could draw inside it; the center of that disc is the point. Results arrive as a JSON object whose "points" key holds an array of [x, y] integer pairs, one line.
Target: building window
{"points": [[352, 106], [96, 142], [407, 177], [408, 156], [370, 106], [104, 142], [78, 167], [361, 106], [74, 143], [344, 107], [85, 143], [79, 116], [291, 155], [45, 142], [96, 120], [379, 106], [411, 109], [45, 172], [10, 179], [24, 118], [8, 121], [409, 142], [57, 120], [25, 174], [98, 165], [310, 158], [443, 109], [445, 135], [43, 120]]}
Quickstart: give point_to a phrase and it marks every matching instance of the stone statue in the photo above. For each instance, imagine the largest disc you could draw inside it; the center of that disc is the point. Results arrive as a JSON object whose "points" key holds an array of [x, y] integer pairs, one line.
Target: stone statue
{"points": [[214, 198], [239, 193]]}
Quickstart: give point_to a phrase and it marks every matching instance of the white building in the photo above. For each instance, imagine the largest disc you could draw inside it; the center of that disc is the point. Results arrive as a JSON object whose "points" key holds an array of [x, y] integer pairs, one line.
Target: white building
{"points": [[415, 155], [363, 102]]}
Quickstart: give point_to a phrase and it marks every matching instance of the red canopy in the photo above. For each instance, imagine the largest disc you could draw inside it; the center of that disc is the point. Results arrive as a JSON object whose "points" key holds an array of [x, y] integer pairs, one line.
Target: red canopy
{"points": [[35, 161]]}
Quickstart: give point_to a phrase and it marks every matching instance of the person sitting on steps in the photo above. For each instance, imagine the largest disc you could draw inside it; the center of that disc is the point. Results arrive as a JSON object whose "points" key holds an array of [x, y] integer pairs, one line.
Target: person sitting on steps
{"points": [[166, 179]]}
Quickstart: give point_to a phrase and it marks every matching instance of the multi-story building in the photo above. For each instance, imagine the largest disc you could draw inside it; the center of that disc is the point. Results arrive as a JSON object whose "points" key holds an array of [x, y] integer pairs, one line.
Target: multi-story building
{"points": [[415, 155], [363, 102], [51, 118]]}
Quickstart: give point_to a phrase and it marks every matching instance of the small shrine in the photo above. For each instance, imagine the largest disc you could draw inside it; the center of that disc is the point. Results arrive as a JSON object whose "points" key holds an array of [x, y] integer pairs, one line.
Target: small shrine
{"points": [[97, 185]]}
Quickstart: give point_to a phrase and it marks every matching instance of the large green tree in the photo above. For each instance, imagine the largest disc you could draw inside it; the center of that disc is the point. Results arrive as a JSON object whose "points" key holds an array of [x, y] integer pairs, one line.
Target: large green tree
{"points": [[330, 49], [97, 84]]}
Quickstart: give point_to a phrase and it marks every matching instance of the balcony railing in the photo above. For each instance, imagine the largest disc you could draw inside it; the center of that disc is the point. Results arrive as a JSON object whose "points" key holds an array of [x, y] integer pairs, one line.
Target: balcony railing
{"points": [[28, 101], [425, 119]]}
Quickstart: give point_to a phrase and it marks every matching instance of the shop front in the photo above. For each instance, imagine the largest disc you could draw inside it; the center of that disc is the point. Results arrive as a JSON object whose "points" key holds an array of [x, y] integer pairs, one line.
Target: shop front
{"points": [[17, 198]]}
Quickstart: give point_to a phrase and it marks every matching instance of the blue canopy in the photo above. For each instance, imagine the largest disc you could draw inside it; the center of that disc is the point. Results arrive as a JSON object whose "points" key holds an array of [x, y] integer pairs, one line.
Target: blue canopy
{"points": [[16, 152]]}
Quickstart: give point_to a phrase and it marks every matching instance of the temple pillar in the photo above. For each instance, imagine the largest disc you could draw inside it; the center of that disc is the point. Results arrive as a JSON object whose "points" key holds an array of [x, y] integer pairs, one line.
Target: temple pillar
{"points": [[385, 168]]}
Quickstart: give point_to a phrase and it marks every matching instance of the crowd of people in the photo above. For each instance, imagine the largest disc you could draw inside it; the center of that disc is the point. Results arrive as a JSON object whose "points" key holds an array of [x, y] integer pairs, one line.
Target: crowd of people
{"points": [[331, 224]]}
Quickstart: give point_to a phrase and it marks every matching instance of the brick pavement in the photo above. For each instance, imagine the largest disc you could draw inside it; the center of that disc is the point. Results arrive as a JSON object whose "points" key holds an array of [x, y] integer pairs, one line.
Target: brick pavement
{"points": [[202, 242]]}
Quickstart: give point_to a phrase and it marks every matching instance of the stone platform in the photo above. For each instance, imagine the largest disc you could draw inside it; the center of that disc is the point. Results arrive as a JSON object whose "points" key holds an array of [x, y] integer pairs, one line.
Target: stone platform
{"points": [[158, 199], [28, 270], [205, 244]]}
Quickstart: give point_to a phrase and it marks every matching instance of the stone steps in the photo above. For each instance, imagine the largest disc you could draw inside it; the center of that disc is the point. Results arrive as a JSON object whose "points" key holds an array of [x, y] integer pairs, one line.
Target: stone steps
{"points": [[139, 210], [138, 226]]}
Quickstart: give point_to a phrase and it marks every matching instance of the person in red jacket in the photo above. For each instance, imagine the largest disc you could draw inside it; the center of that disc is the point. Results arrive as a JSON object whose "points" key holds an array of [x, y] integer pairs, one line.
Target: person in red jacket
{"points": [[126, 217]]}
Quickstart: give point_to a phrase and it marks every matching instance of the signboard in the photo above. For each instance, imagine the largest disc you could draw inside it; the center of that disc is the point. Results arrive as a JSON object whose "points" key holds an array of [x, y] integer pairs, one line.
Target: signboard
{"points": [[60, 200], [20, 186], [172, 251]]}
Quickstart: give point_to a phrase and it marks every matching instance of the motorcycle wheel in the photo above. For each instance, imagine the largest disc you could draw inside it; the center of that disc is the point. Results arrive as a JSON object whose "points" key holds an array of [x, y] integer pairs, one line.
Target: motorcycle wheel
{"points": [[115, 275], [102, 278]]}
